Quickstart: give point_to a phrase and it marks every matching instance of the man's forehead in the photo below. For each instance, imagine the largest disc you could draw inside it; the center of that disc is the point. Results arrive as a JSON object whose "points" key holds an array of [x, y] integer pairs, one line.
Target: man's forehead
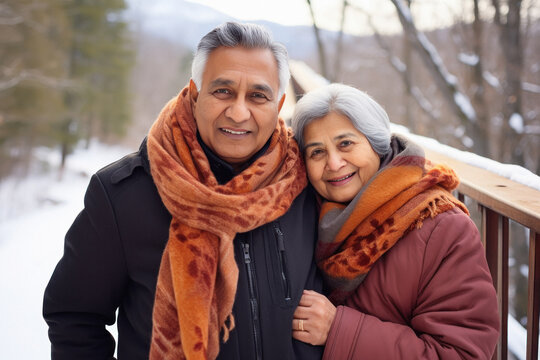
{"points": [[226, 66]]}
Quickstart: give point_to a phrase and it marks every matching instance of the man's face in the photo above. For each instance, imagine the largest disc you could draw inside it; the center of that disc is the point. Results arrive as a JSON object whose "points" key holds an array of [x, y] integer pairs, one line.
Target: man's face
{"points": [[236, 109]]}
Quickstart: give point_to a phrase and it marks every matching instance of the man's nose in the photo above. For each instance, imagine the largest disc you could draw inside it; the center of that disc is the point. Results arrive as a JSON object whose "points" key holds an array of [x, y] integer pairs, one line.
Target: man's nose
{"points": [[335, 161], [238, 111]]}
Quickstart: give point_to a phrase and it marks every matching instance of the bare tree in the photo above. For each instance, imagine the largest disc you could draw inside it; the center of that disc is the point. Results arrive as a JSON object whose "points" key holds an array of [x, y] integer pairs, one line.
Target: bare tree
{"points": [[511, 44], [447, 83], [478, 98], [408, 96], [413, 93], [339, 45], [320, 46], [12, 77]]}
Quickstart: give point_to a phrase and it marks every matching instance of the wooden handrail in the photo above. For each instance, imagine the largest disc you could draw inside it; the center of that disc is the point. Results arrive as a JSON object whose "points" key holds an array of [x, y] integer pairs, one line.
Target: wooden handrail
{"points": [[509, 198]]}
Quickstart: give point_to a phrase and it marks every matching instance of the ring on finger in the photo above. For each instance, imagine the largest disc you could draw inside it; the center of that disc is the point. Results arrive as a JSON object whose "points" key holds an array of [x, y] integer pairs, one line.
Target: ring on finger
{"points": [[301, 325]]}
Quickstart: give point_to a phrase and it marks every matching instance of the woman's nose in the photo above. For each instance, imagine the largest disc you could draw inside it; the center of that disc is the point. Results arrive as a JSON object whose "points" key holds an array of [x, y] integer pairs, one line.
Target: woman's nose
{"points": [[335, 161]]}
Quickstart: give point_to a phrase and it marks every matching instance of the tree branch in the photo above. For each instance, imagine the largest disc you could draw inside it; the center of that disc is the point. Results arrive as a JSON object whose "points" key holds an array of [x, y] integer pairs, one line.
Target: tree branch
{"points": [[447, 83]]}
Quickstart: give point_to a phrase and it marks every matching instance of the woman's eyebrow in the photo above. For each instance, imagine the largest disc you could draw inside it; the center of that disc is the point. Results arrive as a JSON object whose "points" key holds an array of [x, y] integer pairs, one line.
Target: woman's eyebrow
{"points": [[311, 144], [336, 138], [345, 135]]}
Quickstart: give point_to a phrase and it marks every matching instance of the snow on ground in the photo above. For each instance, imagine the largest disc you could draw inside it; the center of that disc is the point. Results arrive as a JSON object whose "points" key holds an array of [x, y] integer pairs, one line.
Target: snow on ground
{"points": [[35, 214]]}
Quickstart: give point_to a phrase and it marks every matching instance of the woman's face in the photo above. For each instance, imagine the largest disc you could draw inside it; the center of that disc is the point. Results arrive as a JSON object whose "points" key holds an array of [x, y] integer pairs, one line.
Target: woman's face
{"points": [[339, 158]]}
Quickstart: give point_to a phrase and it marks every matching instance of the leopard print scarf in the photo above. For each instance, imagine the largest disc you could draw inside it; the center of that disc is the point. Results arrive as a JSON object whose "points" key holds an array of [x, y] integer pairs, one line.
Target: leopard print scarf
{"points": [[198, 274], [352, 237]]}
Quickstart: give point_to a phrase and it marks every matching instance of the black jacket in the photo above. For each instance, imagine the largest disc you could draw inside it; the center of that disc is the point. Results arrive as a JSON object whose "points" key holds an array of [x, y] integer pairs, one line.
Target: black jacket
{"points": [[111, 260]]}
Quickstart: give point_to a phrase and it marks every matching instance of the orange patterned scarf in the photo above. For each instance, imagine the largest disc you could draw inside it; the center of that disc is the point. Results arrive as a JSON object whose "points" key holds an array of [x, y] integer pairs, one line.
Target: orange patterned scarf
{"points": [[352, 237], [198, 274]]}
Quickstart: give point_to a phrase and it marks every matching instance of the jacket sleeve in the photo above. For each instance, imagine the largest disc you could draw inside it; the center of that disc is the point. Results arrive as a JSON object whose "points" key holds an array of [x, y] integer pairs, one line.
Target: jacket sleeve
{"points": [[87, 285], [454, 315]]}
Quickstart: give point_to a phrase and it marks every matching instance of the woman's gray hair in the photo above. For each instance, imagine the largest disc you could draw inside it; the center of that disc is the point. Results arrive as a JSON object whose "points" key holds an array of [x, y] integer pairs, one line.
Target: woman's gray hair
{"points": [[249, 36], [366, 115]]}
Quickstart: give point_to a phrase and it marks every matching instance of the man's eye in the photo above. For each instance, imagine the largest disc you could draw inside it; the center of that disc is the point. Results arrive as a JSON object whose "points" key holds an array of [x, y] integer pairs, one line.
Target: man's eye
{"points": [[259, 97], [220, 93]]}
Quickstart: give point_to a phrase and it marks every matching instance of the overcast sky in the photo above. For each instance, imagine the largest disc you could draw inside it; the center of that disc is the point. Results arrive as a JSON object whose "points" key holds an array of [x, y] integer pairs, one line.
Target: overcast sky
{"points": [[429, 13]]}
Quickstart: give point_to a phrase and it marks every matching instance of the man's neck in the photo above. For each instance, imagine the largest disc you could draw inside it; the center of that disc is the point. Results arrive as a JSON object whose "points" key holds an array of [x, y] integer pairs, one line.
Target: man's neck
{"points": [[222, 170]]}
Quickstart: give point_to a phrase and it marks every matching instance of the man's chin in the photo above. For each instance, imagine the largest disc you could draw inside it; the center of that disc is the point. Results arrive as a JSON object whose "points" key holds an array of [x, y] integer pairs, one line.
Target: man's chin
{"points": [[235, 158]]}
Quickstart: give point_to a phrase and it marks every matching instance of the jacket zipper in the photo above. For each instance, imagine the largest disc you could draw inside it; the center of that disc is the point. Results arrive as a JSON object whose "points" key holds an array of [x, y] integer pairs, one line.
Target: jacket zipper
{"points": [[282, 262], [254, 306]]}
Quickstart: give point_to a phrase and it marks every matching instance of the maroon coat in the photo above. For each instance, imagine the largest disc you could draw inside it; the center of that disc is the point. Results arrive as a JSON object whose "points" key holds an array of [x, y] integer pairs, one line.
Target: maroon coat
{"points": [[429, 297]]}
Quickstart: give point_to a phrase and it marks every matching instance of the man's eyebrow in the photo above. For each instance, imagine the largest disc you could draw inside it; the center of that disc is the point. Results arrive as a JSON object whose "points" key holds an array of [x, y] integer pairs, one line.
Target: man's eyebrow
{"points": [[221, 82], [264, 88]]}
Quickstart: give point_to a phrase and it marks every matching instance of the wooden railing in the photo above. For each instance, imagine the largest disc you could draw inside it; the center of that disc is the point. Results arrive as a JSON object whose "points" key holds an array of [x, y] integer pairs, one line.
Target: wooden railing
{"points": [[499, 200]]}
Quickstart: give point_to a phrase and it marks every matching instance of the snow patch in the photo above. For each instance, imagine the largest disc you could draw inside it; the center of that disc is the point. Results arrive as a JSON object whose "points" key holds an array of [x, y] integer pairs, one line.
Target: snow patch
{"points": [[468, 59], [492, 80], [465, 105], [530, 87], [516, 123]]}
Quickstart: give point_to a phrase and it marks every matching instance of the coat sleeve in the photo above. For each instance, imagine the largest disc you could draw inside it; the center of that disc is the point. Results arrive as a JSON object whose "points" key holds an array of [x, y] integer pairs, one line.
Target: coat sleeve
{"points": [[87, 285], [455, 313]]}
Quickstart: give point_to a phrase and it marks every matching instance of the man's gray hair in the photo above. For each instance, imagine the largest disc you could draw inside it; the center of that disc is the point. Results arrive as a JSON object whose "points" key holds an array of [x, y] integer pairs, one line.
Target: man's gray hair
{"points": [[249, 36], [366, 115]]}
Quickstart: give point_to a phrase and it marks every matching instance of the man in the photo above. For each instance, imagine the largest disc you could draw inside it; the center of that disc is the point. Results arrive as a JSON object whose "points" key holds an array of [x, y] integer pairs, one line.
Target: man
{"points": [[203, 240]]}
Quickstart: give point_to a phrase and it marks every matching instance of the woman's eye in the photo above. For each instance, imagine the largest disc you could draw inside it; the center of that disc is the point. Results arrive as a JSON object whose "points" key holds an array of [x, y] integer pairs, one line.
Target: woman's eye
{"points": [[317, 153], [345, 143]]}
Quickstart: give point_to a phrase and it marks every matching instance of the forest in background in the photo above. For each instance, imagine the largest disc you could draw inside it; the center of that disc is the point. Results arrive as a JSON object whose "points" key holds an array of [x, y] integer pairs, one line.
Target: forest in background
{"points": [[74, 70], [64, 76]]}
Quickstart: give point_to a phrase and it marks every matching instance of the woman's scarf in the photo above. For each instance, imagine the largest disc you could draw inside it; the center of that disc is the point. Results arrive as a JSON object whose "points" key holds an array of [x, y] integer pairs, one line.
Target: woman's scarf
{"points": [[198, 274], [352, 237]]}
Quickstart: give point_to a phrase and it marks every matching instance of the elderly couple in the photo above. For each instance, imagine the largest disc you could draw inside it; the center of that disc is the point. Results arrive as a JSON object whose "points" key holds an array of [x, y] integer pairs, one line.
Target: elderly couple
{"points": [[211, 244]]}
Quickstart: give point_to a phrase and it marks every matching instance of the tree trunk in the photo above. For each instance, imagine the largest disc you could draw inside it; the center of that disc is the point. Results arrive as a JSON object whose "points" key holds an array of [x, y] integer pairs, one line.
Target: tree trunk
{"points": [[336, 76], [320, 46], [408, 96], [512, 50], [478, 99]]}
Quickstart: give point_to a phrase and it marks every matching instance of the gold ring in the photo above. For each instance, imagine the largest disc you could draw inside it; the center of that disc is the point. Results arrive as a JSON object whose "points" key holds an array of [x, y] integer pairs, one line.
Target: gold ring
{"points": [[301, 325]]}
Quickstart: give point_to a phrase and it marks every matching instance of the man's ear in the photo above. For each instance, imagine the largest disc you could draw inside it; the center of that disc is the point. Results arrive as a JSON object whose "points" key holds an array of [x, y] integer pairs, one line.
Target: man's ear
{"points": [[281, 101], [193, 91]]}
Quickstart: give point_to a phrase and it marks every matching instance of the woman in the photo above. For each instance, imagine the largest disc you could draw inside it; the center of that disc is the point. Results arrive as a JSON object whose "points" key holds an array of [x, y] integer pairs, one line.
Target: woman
{"points": [[401, 258]]}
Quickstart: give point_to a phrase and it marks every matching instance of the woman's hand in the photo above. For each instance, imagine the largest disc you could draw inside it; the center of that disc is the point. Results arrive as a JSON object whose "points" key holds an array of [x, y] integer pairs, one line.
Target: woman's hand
{"points": [[313, 318]]}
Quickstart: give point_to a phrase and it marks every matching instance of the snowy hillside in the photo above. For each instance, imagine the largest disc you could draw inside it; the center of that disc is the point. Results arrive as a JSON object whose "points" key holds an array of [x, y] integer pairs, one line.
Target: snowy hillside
{"points": [[35, 214]]}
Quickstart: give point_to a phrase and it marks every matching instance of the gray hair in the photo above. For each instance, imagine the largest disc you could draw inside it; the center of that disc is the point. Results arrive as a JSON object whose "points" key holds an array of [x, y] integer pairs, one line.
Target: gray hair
{"points": [[366, 115], [249, 36]]}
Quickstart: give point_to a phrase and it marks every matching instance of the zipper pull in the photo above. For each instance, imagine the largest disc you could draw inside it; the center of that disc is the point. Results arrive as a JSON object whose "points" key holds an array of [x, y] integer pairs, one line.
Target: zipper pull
{"points": [[279, 233], [247, 258]]}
